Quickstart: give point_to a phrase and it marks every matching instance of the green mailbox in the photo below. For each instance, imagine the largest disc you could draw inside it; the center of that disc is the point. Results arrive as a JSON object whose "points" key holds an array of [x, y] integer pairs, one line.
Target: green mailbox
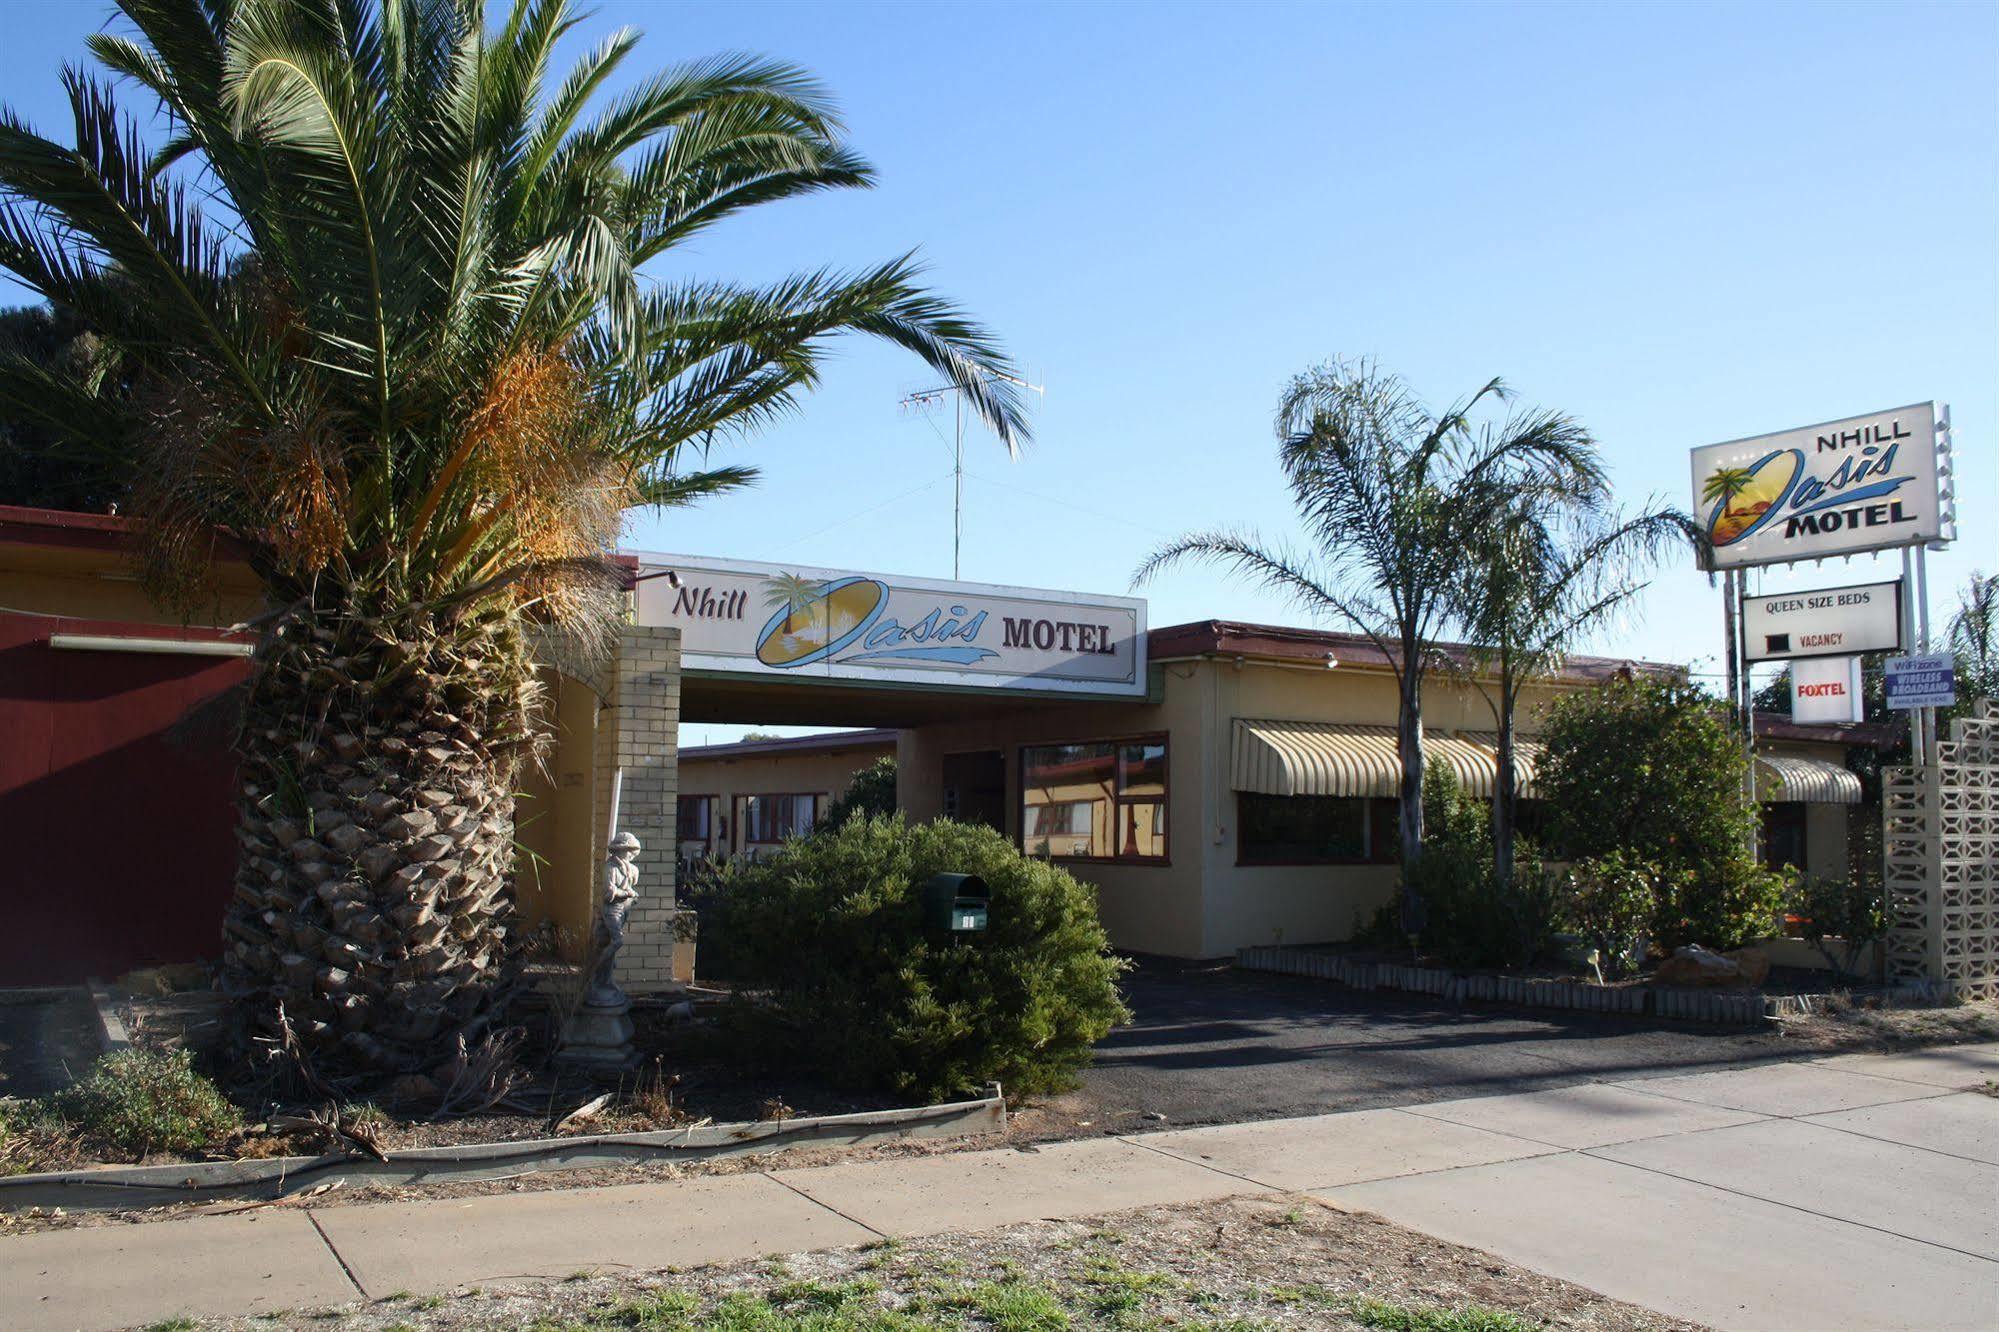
{"points": [[956, 903]]}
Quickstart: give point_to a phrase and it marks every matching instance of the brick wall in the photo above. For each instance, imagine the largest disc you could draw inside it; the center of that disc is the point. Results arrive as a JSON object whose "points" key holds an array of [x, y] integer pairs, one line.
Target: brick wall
{"points": [[638, 731]]}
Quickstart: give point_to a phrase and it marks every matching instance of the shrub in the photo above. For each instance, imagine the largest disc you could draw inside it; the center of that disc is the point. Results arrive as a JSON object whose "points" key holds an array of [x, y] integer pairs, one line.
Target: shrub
{"points": [[1840, 917], [852, 984], [145, 1101], [1470, 920], [872, 791], [1649, 768], [1611, 900]]}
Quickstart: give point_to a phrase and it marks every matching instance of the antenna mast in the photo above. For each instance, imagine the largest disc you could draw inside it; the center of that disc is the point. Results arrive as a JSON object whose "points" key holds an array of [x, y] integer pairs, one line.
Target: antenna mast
{"points": [[930, 398]]}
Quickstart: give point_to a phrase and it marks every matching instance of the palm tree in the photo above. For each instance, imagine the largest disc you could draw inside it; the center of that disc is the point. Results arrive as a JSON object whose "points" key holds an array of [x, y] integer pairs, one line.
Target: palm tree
{"points": [[1974, 635], [793, 592], [1724, 484], [1392, 497], [1540, 579], [379, 290]]}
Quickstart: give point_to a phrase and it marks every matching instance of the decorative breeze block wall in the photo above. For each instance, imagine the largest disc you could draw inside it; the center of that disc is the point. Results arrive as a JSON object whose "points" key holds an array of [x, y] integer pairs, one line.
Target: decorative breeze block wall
{"points": [[1941, 852]]}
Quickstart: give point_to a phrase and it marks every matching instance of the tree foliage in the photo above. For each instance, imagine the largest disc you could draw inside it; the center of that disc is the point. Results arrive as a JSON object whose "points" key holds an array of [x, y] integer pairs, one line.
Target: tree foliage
{"points": [[871, 792], [1648, 768], [380, 299], [849, 979]]}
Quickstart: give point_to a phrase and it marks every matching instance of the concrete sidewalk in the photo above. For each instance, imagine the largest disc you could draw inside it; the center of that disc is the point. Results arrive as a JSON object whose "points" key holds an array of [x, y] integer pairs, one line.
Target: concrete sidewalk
{"points": [[1849, 1193]]}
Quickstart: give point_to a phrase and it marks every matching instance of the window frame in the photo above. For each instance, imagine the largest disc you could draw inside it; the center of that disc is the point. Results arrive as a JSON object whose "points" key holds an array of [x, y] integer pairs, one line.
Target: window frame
{"points": [[1118, 801], [711, 798], [741, 839]]}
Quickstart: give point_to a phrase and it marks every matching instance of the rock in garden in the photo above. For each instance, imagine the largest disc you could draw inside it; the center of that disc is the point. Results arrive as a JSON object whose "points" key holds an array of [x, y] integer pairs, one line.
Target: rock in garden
{"points": [[1697, 966]]}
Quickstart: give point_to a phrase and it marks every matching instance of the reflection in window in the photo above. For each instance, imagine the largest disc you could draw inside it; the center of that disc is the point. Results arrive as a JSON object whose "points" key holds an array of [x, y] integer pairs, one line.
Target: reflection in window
{"points": [[768, 819], [1301, 830], [1103, 800]]}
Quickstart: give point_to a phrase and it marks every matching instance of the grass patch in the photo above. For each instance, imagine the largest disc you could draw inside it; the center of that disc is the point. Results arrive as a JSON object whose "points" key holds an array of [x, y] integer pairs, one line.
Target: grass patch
{"points": [[1397, 1318]]}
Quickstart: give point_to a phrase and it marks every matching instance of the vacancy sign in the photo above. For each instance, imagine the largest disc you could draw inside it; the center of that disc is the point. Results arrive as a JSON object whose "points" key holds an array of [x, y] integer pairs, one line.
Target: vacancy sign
{"points": [[1921, 682], [1829, 622], [1825, 689]]}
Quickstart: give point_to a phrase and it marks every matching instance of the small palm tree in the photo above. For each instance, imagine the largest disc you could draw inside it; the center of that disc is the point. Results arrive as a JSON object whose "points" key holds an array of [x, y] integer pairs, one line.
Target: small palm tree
{"points": [[1540, 579], [1392, 498], [793, 592], [377, 296], [1724, 484]]}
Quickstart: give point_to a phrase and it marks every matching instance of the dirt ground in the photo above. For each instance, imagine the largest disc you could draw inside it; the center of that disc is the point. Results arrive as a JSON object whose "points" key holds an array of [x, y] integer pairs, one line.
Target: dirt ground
{"points": [[1236, 1265]]}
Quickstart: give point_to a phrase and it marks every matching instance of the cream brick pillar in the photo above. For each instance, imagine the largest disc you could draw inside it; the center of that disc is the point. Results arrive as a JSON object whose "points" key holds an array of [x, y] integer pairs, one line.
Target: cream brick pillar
{"points": [[638, 730]]}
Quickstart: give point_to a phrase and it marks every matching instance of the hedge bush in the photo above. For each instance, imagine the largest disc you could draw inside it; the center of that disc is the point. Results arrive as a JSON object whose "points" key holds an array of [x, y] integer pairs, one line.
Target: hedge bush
{"points": [[146, 1101], [1649, 768], [1470, 920], [849, 982]]}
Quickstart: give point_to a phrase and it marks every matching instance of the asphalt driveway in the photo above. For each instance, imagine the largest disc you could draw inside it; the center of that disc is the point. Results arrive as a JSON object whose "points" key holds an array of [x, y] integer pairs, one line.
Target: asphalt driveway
{"points": [[1214, 1045]]}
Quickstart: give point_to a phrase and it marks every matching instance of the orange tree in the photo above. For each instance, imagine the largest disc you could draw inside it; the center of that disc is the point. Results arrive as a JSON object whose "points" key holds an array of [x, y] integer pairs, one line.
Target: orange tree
{"points": [[377, 303]]}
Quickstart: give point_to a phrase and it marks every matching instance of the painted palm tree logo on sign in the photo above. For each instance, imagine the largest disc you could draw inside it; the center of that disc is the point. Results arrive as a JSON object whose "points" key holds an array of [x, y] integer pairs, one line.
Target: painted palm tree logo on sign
{"points": [[815, 619], [1746, 498]]}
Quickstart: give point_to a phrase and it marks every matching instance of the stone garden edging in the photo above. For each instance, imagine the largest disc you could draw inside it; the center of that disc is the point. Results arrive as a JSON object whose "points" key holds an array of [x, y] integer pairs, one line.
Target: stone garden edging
{"points": [[1731, 1008], [131, 1187]]}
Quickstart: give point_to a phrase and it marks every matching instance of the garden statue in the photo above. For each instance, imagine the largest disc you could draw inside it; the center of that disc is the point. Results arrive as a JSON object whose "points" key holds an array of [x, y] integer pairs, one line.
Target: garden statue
{"points": [[607, 935], [598, 1035]]}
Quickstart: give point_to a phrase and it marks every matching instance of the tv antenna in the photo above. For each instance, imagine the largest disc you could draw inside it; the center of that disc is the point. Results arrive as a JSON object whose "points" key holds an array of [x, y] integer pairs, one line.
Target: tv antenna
{"points": [[930, 397]]}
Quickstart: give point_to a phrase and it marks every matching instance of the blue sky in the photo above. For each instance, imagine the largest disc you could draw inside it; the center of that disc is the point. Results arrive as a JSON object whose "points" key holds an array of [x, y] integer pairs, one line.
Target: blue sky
{"points": [[1683, 223]]}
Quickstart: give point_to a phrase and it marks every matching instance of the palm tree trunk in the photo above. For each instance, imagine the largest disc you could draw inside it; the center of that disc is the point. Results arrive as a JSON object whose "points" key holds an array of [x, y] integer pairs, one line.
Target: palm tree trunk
{"points": [[374, 894], [1505, 790], [1409, 746]]}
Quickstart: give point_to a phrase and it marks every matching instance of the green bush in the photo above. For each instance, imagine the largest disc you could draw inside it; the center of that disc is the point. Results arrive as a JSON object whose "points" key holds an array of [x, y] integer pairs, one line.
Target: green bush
{"points": [[872, 791], [1649, 768], [1611, 900], [830, 933], [1470, 920], [1839, 917], [145, 1101]]}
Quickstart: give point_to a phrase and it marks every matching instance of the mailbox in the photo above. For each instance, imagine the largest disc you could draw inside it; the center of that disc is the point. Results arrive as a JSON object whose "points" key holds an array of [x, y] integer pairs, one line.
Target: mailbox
{"points": [[955, 903]]}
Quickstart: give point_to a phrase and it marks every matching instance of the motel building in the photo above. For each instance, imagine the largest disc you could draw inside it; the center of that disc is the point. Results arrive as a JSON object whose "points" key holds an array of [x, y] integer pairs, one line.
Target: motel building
{"points": [[1219, 784]]}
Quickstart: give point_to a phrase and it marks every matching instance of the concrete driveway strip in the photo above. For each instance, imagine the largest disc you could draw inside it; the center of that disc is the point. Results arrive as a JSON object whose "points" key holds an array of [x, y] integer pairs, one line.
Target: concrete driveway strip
{"points": [[1965, 1124], [978, 1190], [1944, 1200], [1953, 1066], [451, 1242], [1783, 1089], [1325, 1151], [122, 1276], [1692, 1250], [1588, 1115]]}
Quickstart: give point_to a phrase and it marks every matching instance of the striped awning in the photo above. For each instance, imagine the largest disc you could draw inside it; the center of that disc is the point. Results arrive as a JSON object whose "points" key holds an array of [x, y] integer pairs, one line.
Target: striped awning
{"points": [[1339, 759], [1820, 781]]}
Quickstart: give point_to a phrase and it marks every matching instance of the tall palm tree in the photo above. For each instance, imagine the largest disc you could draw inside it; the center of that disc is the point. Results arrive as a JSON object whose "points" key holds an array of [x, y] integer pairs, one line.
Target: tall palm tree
{"points": [[1391, 498], [379, 288], [1538, 580]]}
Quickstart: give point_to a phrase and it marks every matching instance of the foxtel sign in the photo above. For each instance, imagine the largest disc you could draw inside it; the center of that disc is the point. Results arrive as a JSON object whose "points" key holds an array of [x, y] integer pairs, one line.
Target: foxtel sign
{"points": [[789, 621], [1859, 484]]}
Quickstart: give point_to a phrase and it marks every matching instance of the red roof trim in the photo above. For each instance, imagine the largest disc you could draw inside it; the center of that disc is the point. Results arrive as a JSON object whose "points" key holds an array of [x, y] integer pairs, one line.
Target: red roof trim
{"points": [[1871, 735], [63, 528]]}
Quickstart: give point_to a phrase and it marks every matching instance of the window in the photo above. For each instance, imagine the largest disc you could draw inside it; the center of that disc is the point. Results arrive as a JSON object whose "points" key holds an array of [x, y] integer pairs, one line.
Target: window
{"points": [[1784, 834], [1103, 800], [695, 818], [766, 820], [1301, 830]]}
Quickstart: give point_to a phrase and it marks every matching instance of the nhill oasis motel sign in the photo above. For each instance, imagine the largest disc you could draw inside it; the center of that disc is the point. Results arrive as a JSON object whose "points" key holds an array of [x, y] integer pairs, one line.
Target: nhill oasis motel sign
{"points": [[1865, 483], [773, 621]]}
